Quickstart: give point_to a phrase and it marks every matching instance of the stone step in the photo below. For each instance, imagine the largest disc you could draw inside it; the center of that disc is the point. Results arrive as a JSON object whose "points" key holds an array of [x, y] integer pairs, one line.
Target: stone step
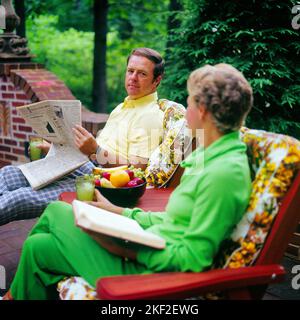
{"points": [[293, 251], [295, 239]]}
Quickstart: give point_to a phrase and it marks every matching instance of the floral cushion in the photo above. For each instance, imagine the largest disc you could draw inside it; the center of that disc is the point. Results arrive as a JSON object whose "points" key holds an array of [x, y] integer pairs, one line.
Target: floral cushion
{"points": [[274, 160], [174, 145], [76, 288]]}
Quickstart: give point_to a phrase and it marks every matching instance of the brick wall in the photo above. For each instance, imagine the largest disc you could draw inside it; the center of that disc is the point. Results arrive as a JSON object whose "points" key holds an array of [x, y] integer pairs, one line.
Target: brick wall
{"points": [[13, 130], [22, 84]]}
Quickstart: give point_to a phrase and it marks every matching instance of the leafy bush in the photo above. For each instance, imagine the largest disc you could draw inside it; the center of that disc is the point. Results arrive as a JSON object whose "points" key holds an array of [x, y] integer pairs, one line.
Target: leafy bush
{"points": [[67, 54], [254, 36]]}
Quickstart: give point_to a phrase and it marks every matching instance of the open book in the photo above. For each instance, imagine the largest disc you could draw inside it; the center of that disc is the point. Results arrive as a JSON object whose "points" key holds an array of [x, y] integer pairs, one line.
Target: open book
{"points": [[53, 120], [115, 225]]}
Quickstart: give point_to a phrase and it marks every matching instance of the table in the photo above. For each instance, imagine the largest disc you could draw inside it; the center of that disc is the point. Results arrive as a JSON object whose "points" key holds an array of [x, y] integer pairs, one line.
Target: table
{"points": [[152, 200]]}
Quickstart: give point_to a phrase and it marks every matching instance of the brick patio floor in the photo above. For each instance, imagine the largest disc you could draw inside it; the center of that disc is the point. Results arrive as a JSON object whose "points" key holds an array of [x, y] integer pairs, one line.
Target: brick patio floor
{"points": [[12, 236]]}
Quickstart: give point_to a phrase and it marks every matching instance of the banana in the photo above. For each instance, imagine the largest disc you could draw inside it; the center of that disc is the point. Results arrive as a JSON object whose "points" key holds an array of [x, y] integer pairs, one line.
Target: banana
{"points": [[110, 170], [106, 183], [97, 170]]}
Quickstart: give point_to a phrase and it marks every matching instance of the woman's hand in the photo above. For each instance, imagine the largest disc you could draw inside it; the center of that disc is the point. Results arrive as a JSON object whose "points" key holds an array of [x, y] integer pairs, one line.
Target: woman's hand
{"points": [[105, 241], [84, 140], [103, 203]]}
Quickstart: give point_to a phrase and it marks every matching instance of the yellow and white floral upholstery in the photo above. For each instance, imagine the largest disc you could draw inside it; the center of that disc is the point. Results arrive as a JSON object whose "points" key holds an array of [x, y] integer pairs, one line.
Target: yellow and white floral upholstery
{"points": [[274, 160], [174, 146], [76, 288]]}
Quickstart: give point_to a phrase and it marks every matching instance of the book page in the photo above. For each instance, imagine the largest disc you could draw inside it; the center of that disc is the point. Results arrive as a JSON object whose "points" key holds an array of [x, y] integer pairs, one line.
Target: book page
{"points": [[109, 223]]}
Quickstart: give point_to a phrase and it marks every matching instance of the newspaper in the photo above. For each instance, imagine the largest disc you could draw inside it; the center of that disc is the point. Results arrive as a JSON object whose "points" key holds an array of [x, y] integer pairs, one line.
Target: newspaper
{"points": [[53, 120]]}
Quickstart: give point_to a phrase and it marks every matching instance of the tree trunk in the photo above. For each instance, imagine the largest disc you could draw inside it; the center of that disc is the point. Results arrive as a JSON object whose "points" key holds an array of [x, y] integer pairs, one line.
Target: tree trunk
{"points": [[99, 70], [172, 23], [20, 11]]}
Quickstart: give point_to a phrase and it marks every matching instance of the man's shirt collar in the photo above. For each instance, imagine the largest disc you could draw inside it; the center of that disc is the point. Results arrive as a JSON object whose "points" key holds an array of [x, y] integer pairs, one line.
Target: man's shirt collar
{"points": [[133, 103]]}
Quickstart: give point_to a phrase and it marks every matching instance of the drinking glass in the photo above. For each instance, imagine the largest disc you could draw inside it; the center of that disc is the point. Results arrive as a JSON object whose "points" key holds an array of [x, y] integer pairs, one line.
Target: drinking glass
{"points": [[35, 152], [85, 188]]}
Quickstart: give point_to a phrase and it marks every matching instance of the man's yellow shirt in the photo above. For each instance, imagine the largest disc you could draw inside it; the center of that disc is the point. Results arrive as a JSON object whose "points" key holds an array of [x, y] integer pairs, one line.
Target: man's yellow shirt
{"points": [[134, 128]]}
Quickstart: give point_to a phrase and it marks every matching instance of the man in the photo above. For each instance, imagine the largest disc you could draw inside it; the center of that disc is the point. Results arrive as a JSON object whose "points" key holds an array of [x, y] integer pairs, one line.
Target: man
{"points": [[129, 136]]}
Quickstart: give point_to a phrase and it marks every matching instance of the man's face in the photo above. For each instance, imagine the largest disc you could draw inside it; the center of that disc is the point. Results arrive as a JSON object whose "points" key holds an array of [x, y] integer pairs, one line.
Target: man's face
{"points": [[139, 80]]}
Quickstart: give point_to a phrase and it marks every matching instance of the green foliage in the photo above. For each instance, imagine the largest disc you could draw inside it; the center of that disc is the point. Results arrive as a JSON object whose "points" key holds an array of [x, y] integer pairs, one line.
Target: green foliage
{"points": [[132, 24], [71, 14], [68, 54], [254, 36], [66, 48]]}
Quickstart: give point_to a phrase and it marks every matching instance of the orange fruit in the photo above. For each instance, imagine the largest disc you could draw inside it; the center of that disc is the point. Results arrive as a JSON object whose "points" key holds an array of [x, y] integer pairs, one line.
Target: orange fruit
{"points": [[119, 178]]}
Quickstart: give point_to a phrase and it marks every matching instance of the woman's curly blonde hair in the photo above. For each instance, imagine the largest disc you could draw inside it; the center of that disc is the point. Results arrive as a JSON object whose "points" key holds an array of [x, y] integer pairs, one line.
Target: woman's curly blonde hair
{"points": [[225, 93]]}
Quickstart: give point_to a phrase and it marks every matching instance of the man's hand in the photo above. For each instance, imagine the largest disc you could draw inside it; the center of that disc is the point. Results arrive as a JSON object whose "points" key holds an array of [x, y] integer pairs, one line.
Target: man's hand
{"points": [[84, 140], [45, 146]]}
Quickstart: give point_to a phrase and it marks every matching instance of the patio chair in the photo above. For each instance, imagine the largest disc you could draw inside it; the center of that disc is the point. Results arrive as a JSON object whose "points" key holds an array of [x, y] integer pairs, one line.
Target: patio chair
{"points": [[249, 261]]}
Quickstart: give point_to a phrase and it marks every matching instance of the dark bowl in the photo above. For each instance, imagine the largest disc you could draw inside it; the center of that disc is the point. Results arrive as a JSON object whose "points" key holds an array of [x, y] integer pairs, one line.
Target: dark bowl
{"points": [[124, 197]]}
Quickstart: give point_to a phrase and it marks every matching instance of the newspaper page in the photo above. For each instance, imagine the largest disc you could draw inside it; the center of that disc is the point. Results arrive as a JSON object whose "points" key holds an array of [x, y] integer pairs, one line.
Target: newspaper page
{"points": [[53, 120]]}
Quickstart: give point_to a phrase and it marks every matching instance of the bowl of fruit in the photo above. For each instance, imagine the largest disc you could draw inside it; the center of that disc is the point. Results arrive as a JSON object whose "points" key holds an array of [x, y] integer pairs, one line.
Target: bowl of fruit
{"points": [[121, 185]]}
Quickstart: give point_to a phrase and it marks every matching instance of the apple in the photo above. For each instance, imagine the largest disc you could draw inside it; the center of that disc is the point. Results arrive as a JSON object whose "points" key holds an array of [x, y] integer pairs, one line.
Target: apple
{"points": [[138, 181], [106, 175], [131, 183], [134, 182], [130, 173], [97, 183]]}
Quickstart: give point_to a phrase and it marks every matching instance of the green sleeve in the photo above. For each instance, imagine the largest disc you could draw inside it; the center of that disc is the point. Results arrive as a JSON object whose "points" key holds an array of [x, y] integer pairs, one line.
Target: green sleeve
{"points": [[213, 217], [144, 219]]}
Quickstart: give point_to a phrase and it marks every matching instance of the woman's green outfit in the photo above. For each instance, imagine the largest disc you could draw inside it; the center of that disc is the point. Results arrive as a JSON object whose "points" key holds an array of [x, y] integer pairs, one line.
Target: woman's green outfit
{"points": [[202, 212]]}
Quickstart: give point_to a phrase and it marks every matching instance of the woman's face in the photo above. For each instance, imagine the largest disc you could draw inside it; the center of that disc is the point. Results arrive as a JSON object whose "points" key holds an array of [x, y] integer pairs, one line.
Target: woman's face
{"points": [[193, 114]]}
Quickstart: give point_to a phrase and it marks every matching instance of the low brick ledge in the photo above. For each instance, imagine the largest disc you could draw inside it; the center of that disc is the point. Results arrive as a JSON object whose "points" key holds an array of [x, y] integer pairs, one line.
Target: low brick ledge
{"points": [[5, 68], [40, 84], [92, 121]]}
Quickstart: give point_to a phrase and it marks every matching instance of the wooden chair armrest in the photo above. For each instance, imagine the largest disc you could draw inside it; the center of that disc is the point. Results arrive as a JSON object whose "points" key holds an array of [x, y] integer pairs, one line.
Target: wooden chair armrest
{"points": [[67, 196], [184, 285]]}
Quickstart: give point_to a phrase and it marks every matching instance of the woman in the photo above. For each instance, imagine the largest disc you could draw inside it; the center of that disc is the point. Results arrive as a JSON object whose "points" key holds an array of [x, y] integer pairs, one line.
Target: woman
{"points": [[201, 213]]}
